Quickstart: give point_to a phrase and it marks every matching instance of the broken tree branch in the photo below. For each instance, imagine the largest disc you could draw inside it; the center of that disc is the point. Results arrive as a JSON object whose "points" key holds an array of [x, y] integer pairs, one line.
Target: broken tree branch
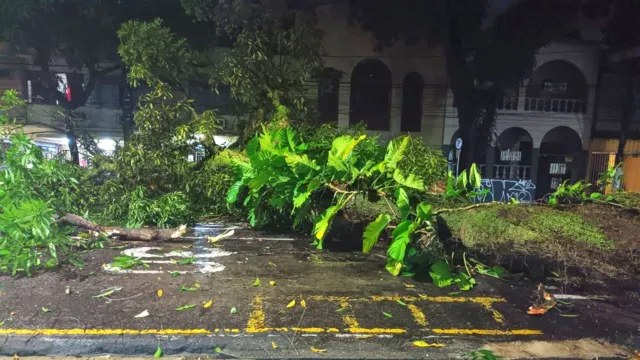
{"points": [[123, 233]]}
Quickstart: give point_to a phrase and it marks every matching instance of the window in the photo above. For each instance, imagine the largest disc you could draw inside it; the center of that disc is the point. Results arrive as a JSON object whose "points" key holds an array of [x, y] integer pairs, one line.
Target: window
{"points": [[328, 98], [411, 120], [371, 95]]}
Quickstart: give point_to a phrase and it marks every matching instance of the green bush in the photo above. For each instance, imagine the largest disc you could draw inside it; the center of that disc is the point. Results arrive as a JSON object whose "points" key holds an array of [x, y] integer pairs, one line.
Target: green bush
{"points": [[167, 210], [207, 188], [32, 191], [428, 164]]}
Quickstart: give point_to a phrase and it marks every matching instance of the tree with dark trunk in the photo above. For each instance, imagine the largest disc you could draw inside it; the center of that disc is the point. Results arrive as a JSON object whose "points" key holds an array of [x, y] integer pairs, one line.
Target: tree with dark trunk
{"points": [[486, 50]]}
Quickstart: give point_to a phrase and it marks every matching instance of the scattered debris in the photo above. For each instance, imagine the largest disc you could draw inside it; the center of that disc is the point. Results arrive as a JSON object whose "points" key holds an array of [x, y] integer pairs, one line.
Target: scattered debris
{"points": [[214, 239], [217, 349], [271, 264], [274, 345], [387, 314], [272, 283], [158, 353], [142, 314], [185, 307], [303, 303], [67, 290], [401, 302], [318, 351], [424, 344], [184, 288], [292, 303], [208, 304], [256, 282], [234, 311], [570, 315], [544, 303], [107, 292], [159, 293], [409, 286], [45, 310]]}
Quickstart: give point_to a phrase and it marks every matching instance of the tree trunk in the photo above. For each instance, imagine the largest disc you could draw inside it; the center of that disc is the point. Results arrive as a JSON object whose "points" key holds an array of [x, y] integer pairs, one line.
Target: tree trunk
{"points": [[153, 235], [628, 110], [73, 148]]}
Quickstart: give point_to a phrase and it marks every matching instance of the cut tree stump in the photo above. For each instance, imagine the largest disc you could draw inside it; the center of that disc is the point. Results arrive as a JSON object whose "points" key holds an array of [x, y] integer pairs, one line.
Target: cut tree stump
{"points": [[125, 233]]}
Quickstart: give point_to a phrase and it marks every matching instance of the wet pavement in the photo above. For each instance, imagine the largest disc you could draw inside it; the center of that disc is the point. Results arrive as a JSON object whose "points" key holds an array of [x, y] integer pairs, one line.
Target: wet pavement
{"points": [[341, 302]]}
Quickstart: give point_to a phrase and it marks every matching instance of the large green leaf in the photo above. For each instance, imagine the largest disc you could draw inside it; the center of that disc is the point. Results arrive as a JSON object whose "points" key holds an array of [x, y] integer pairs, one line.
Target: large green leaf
{"points": [[232, 194], [410, 181], [475, 178], [441, 274], [402, 200], [425, 211], [341, 148], [372, 232], [395, 152], [462, 181], [401, 236], [259, 181], [322, 224]]}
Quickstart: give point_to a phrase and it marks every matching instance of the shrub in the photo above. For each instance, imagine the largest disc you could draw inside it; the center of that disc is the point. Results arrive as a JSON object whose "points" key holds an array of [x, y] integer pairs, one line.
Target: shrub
{"points": [[207, 188], [428, 164], [32, 191]]}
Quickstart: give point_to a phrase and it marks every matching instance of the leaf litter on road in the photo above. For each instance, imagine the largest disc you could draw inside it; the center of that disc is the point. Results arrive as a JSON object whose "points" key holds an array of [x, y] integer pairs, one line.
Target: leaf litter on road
{"points": [[272, 283], [424, 344], [107, 292], [45, 310], [158, 353], [401, 302], [318, 351], [234, 311], [292, 303], [387, 314], [159, 292], [274, 345], [185, 288], [142, 314], [256, 282], [185, 307], [208, 304]]}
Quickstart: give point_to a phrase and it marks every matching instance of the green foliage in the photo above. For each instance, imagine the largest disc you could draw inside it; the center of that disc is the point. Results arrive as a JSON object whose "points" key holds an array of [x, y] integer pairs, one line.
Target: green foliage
{"points": [[481, 355], [125, 262], [573, 193], [464, 185], [167, 210], [443, 276], [307, 184], [428, 164], [32, 191]]}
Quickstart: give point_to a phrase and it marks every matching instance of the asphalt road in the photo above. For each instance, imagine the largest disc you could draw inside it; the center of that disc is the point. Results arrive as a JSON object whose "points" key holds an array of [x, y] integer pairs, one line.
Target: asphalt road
{"points": [[308, 304]]}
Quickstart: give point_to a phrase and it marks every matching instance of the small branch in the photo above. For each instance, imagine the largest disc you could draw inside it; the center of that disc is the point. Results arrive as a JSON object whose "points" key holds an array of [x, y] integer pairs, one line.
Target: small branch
{"points": [[340, 191], [465, 208]]}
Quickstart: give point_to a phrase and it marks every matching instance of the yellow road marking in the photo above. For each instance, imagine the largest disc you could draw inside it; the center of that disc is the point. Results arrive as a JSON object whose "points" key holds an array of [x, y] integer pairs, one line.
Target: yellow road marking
{"points": [[418, 315], [376, 331], [192, 332], [486, 332], [62, 332]]}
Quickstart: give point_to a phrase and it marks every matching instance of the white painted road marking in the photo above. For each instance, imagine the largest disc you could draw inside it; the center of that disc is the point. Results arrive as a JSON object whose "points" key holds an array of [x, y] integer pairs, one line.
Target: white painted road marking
{"points": [[204, 267]]}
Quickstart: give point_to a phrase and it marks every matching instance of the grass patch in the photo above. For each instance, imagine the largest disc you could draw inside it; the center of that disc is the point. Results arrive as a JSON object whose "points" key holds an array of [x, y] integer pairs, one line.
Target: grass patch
{"points": [[504, 225], [628, 199]]}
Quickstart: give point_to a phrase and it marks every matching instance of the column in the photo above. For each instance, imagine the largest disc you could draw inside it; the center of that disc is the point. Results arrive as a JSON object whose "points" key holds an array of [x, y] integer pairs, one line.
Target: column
{"points": [[535, 156]]}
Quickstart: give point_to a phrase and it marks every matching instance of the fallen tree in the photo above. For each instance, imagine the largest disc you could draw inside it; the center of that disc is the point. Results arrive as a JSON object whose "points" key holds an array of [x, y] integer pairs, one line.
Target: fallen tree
{"points": [[122, 233]]}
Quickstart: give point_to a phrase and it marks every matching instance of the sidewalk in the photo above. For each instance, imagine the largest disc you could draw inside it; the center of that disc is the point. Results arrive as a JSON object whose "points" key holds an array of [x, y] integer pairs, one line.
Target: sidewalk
{"points": [[345, 303]]}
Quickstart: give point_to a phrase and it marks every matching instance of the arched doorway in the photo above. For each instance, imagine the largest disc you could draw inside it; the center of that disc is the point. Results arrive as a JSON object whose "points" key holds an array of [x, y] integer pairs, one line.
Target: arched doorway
{"points": [[513, 154], [371, 95], [559, 159], [557, 86], [411, 120]]}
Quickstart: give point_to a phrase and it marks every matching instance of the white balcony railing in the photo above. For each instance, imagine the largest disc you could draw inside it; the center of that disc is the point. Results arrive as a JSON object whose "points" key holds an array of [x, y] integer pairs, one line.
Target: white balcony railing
{"points": [[574, 106], [511, 171]]}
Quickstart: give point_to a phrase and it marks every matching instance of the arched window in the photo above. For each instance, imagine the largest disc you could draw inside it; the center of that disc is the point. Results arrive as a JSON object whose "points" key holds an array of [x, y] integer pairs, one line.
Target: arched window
{"points": [[411, 120], [371, 95]]}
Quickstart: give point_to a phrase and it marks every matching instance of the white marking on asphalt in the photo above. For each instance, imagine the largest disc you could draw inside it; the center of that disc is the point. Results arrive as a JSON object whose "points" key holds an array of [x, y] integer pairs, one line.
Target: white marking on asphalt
{"points": [[204, 267], [580, 297]]}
